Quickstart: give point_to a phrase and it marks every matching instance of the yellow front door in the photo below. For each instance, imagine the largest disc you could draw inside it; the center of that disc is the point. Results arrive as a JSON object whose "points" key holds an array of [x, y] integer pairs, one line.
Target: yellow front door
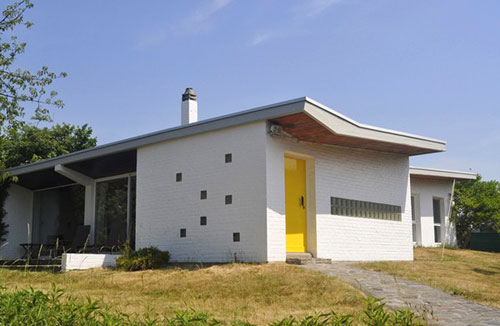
{"points": [[295, 204]]}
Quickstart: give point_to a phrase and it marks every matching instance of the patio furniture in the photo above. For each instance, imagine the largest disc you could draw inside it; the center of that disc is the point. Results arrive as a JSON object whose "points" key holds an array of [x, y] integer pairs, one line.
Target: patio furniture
{"points": [[81, 238], [30, 249], [54, 245]]}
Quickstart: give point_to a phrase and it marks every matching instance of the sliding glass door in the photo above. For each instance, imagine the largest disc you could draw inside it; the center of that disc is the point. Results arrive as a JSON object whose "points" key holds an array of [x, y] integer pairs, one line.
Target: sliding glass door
{"points": [[115, 212]]}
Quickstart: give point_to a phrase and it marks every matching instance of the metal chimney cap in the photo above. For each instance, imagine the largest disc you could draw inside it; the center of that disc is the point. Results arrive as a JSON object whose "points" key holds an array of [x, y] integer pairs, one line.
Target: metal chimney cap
{"points": [[189, 94]]}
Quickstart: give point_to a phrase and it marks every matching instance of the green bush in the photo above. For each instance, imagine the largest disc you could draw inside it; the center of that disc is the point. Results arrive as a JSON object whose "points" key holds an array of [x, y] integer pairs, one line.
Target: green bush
{"points": [[146, 258], [34, 307]]}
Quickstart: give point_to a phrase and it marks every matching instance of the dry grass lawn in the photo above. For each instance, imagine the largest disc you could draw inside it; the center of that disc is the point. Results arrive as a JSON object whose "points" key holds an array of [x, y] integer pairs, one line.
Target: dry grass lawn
{"points": [[472, 274], [257, 293]]}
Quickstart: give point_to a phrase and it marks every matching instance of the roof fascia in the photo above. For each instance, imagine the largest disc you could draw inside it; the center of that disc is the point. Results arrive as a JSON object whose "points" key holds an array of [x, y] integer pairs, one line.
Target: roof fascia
{"points": [[438, 173]]}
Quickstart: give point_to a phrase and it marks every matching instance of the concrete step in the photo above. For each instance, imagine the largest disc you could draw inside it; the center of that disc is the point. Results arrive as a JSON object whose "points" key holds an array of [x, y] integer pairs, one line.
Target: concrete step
{"points": [[322, 261], [304, 258], [298, 258]]}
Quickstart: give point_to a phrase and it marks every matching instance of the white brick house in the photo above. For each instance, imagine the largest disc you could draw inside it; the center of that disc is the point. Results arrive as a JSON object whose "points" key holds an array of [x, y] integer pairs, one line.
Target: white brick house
{"points": [[250, 186]]}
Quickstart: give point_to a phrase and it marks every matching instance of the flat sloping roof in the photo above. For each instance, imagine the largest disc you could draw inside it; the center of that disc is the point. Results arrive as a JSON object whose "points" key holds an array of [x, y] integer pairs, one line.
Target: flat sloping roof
{"points": [[429, 173], [337, 124]]}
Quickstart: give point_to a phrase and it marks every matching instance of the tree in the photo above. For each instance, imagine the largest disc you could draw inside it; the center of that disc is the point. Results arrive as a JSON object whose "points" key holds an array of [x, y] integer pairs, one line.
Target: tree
{"points": [[19, 87], [30, 143], [477, 207]]}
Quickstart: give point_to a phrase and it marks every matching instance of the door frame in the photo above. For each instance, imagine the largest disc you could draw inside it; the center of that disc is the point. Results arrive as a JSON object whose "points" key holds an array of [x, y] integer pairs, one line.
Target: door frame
{"points": [[311, 234]]}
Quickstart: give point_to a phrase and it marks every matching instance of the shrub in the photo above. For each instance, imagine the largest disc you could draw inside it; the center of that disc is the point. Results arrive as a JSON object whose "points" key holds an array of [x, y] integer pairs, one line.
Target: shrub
{"points": [[145, 258]]}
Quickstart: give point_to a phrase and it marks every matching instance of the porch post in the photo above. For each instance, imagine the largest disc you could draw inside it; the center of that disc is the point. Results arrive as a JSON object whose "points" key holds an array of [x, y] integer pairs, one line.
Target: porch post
{"points": [[89, 184]]}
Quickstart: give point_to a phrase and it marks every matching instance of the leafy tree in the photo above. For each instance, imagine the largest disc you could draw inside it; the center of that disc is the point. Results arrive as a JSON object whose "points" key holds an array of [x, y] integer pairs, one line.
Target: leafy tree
{"points": [[30, 143], [477, 207], [19, 87]]}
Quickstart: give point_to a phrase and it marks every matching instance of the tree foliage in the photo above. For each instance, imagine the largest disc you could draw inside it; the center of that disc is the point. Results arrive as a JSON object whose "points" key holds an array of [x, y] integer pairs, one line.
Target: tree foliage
{"points": [[18, 87], [477, 207], [30, 143]]}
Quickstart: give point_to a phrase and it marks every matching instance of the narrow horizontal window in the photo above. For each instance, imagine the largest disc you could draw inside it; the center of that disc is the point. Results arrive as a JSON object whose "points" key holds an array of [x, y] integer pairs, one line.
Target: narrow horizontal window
{"points": [[357, 208]]}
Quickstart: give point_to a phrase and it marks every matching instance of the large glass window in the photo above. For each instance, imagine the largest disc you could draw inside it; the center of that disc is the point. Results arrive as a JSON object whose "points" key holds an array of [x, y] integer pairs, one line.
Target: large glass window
{"points": [[114, 223], [131, 217], [436, 207], [57, 213]]}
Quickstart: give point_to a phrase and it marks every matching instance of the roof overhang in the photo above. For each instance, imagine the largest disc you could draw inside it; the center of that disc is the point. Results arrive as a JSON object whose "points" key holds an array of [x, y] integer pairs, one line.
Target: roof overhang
{"points": [[302, 118], [437, 174], [319, 124]]}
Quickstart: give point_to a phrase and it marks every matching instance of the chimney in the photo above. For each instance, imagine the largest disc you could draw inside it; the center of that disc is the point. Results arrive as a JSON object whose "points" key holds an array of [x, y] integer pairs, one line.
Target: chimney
{"points": [[189, 107]]}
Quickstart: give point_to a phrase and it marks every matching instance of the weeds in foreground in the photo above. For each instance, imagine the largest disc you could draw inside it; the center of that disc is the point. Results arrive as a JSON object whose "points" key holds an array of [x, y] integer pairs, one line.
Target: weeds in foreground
{"points": [[35, 307]]}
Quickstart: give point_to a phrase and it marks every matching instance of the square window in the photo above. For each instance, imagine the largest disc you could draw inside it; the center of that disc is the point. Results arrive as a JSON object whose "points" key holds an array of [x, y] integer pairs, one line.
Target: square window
{"points": [[183, 233], [236, 237], [229, 158], [178, 177], [229, 199], [203, 194], [203, 220]]}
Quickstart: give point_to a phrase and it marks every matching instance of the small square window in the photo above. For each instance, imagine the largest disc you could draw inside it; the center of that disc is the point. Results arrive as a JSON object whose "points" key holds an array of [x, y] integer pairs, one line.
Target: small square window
{"points": [[183, 233], [229, 199], [203, 220], [203, 194], [236, 237], [229, 158], [178, 177]]}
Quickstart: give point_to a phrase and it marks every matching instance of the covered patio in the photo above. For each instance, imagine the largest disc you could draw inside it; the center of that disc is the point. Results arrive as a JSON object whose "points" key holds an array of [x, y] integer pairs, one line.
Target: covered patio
{"points": [[84, 206]]}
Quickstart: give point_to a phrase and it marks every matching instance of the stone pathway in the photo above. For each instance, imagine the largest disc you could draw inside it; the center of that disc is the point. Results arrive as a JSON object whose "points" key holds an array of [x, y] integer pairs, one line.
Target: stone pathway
{"points": [[398, 293]]}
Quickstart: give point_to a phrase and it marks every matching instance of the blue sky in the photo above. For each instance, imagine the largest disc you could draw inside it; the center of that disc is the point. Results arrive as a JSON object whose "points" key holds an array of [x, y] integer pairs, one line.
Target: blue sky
{"points": [[425, 67]]}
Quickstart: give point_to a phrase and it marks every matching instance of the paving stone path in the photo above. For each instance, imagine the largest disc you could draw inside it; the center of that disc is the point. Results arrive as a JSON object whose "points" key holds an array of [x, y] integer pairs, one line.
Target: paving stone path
{"points": [[398, 293]]}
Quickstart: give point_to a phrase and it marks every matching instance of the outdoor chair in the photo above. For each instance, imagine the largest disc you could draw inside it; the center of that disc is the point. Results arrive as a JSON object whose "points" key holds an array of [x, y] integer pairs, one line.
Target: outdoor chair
{"points": [[81, 238]]}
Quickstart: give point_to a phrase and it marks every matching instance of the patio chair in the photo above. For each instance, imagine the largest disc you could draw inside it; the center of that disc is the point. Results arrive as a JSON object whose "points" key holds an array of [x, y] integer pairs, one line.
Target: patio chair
{"points": [[80, 239], [54, 245]]}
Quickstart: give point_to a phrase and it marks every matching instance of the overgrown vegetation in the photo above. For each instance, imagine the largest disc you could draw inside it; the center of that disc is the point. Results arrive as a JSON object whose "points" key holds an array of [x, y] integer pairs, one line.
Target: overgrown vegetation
{"points": [[35, 307], [257, 293], [142, 259], [474, 275], [477, 207]]}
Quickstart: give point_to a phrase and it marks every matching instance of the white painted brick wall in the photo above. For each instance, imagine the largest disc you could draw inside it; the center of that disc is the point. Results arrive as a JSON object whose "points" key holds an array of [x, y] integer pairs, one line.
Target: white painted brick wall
{"points": [[19, 207], [164, 206], [84, 261], [346, 173], [425, 190]]}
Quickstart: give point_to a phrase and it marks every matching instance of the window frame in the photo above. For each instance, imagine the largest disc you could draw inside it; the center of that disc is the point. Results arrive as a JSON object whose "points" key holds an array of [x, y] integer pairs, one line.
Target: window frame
{"points": [[441, 216], [93, 230], [413, 218]]}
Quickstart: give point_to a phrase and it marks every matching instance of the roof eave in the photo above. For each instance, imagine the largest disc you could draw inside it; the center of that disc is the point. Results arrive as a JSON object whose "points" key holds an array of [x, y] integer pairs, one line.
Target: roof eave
{"points": [[341, 125], [441, 174]]}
